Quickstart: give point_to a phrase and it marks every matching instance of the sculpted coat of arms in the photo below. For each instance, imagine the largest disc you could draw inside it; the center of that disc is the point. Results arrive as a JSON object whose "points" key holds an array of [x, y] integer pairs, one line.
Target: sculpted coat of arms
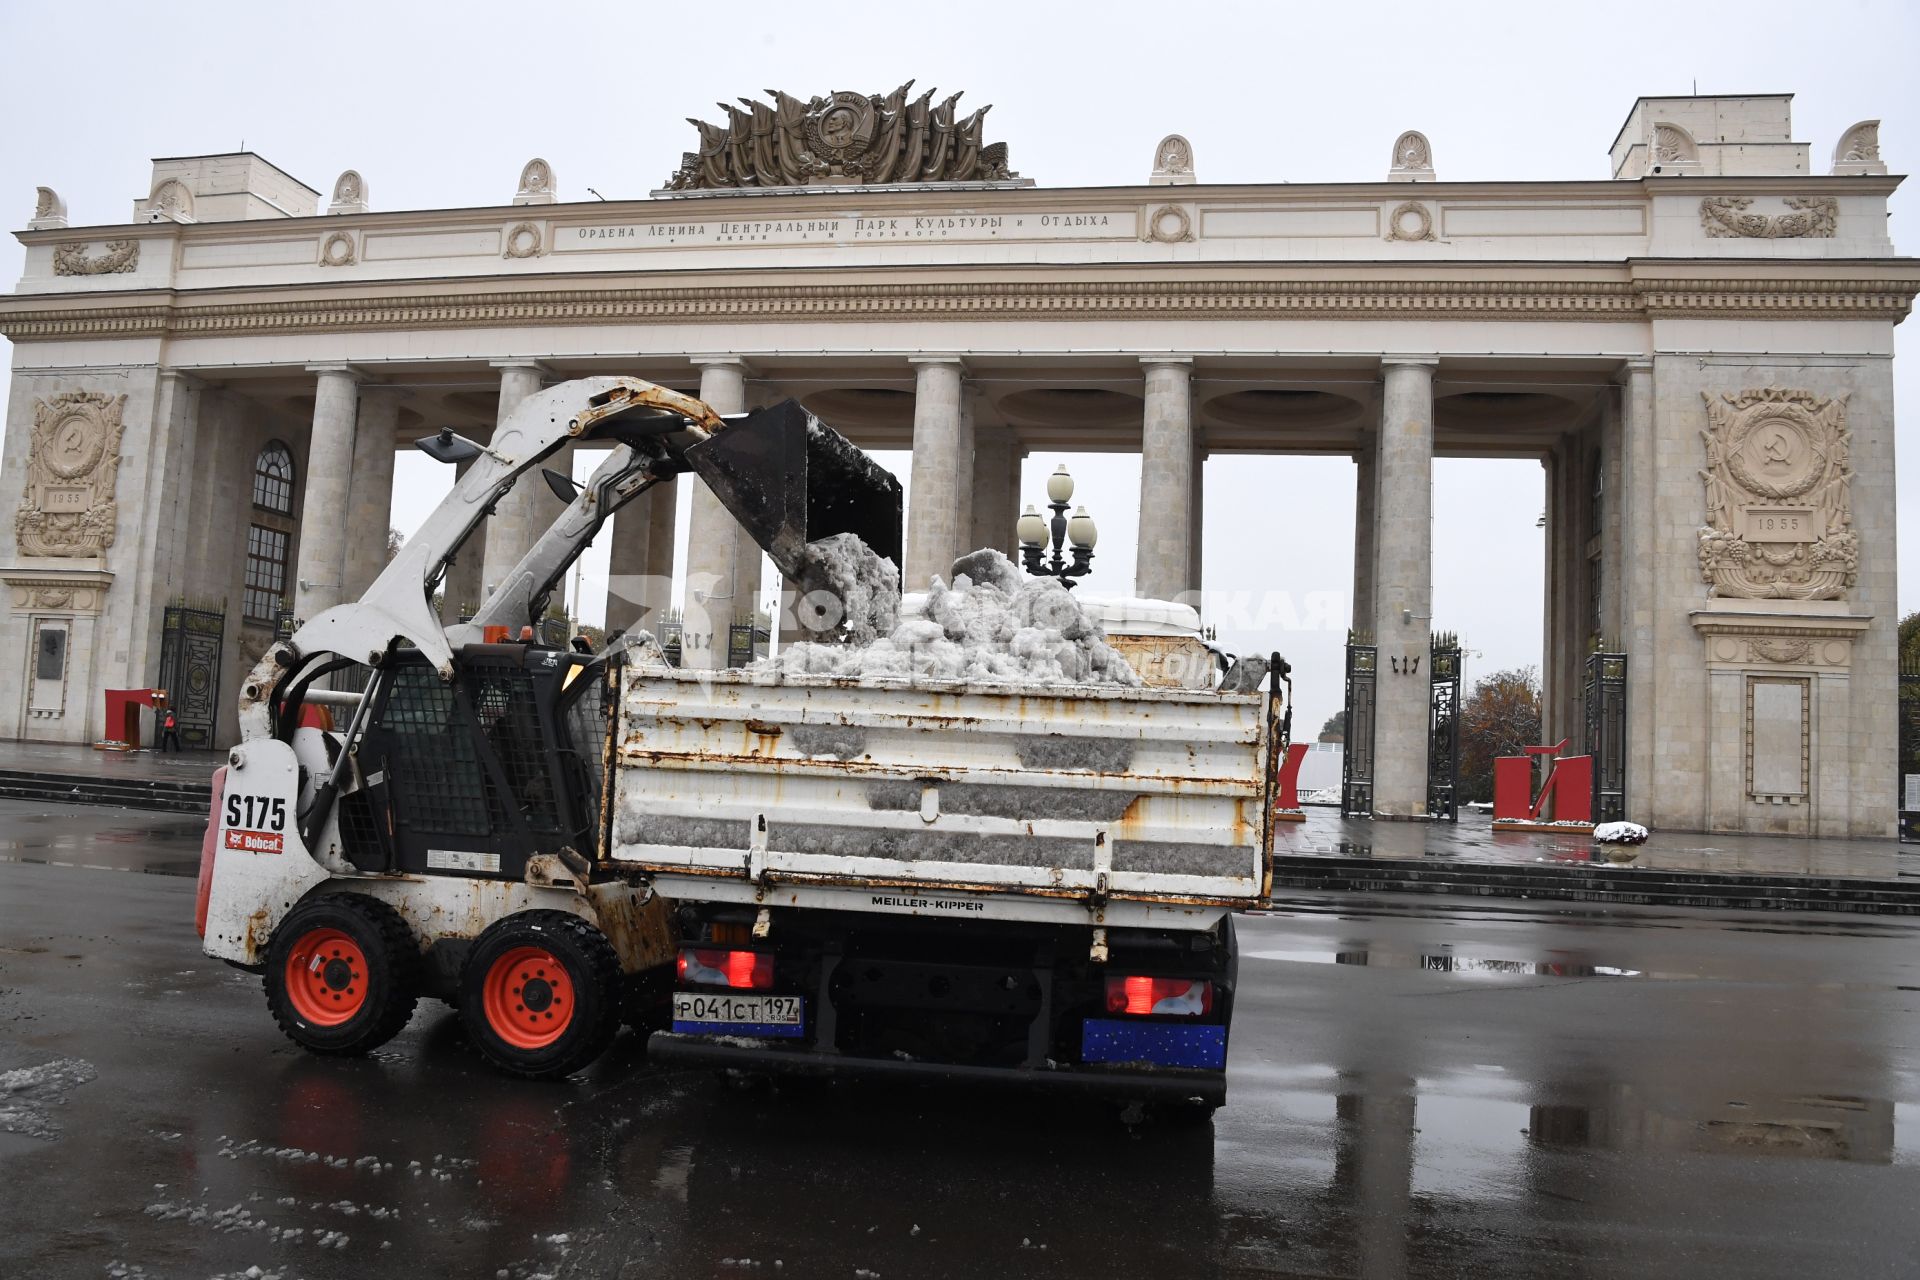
{"points": [[843, 137], [1779, 497], [72, 463]]}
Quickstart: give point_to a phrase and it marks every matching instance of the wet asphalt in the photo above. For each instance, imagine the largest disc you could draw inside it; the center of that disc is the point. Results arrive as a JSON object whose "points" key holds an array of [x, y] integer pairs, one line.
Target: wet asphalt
{"points": [[1418, 1087]]}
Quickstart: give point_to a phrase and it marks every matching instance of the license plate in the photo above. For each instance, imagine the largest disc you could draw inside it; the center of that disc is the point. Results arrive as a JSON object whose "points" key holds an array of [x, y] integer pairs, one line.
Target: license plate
{"points": [[701, 1013]]}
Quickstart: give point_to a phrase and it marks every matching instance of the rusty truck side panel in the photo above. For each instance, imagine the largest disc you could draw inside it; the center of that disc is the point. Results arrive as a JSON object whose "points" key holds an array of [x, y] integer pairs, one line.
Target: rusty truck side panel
{"points": [[1094, 794]]}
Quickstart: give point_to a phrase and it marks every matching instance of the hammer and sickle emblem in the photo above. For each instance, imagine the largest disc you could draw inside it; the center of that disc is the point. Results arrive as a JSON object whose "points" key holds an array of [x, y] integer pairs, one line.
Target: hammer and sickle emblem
{"points": [[1776, 447]]}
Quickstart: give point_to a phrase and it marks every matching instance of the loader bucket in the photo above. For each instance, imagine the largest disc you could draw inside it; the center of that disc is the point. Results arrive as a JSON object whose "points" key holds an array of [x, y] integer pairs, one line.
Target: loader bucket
{"points": [[790, 479]]}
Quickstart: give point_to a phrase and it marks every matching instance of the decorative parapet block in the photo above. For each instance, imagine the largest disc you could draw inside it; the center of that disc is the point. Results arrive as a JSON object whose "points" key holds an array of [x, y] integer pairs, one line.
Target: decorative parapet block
{"points": [[349, 194], [1859, 151], [536, 183], [1412, 158], [49, 210], [1778, 483], [1172, 163]]}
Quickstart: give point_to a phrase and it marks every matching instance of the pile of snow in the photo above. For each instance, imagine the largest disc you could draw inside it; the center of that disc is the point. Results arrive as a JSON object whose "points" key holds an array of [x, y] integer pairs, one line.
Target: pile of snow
{"points": [[992, 624], [1620, 833]]}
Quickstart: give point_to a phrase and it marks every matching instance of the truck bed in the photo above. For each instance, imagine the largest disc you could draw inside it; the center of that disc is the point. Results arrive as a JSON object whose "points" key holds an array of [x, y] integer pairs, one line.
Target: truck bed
{"points": [[1090, 804]]}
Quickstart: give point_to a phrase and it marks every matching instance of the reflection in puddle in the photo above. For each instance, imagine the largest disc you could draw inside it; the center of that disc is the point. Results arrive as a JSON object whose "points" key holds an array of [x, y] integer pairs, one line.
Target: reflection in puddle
{"points": [[1447, 962], [1805, 1126]]}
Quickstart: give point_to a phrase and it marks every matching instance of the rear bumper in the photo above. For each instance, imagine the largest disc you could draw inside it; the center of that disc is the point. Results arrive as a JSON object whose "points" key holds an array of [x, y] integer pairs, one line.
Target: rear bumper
{"points": [[1127, 1084]]}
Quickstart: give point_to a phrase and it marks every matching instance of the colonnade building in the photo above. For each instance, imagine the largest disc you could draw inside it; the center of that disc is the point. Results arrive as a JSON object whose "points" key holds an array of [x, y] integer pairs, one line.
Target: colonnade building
{"points": [[208, 395]]}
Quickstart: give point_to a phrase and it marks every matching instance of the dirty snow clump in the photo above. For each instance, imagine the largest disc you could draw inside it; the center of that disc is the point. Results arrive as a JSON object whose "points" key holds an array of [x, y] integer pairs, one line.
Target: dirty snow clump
{"points": [[992, 624], [842, 573], [1620, 833]]}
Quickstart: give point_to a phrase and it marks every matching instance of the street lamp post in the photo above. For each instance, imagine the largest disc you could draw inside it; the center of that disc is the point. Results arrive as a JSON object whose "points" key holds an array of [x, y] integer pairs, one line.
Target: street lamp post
{"points": [[1035, 531]]}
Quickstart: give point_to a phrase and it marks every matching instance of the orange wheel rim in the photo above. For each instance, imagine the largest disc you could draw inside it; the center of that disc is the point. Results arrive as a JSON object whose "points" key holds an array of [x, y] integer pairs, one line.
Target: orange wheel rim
{"points": [[326, 977], [528, 998]]}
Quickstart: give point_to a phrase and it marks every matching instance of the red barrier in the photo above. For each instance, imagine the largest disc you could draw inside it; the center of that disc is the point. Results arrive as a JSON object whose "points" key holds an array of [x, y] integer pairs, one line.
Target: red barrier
{"points": [[1565, 798]]}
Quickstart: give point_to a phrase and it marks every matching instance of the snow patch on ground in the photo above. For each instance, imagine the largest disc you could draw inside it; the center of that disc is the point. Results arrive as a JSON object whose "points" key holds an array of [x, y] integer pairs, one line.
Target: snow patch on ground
{"points": [[29, 1094], [1620, 833], [990, 625]]}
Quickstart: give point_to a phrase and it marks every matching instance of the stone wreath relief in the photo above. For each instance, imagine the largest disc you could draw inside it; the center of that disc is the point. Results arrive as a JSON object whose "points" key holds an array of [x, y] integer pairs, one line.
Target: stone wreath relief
{"points": [[72, 464], [1779, 497]]}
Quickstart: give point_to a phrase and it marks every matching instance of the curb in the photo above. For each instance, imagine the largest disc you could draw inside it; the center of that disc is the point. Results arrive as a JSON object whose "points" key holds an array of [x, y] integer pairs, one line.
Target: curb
{"points": [[1630, 886]]}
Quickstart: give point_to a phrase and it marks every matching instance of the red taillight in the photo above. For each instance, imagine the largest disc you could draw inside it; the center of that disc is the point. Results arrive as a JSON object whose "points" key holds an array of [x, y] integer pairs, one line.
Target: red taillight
{"points": [[1138, 996], [746, 970]]}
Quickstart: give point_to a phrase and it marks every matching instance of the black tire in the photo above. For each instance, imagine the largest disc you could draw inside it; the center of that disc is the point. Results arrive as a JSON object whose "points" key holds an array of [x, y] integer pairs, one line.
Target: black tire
{"points": [[374, 1003], [579, 1008]]}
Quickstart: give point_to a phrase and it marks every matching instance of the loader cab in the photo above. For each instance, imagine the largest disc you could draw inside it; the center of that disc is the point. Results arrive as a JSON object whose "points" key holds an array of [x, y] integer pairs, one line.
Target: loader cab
{"points": [[476, 776]]}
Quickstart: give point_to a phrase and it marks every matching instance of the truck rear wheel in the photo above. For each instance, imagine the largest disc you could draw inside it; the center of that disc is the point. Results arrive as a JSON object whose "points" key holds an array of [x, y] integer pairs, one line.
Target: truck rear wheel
{"points": [[541, 994], [341, 974]]}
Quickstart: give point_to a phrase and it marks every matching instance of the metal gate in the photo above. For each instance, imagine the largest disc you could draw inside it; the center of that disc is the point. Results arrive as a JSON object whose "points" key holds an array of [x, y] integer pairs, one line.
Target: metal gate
{"points": [[1607, 734], [1443, 730], [1909, 763], [190, 641], [746, 641], [1356, 765]]}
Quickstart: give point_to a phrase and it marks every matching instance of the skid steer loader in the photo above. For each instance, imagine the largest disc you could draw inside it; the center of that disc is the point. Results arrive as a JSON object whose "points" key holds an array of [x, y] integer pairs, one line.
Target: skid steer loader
{"points": [[442, 841]]}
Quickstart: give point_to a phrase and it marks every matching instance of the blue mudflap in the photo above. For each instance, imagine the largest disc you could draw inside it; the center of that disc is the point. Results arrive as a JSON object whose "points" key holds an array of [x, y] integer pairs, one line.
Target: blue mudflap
{"points": [[1163, 1044]]}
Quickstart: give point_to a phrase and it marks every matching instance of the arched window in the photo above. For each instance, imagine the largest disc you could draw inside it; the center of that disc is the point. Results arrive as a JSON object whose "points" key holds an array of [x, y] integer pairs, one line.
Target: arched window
{"points": [[273, 479], [270, 535]]}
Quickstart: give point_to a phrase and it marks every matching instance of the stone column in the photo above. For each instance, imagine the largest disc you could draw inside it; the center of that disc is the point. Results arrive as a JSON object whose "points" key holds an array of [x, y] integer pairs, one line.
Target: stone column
{"points": [[1403, 587], [663, 507], [1163, 563], [640, 563], [993, 496], [629, 534], [1364, 501], [324, 509], [1197, 520], [1633, 510], [515, 524], [715, 592], [1554, 583], [933, 497], [460, 585], [372, 491], [168, 521], [1016, 466], [964, 494]]}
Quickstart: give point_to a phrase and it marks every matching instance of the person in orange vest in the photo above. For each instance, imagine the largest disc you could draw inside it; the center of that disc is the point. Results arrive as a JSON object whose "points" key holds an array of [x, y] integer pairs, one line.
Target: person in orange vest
{"points": [[169, 731]]}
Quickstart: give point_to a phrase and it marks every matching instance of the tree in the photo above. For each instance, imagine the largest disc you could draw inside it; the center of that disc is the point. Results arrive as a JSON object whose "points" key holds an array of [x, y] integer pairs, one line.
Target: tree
{"points": [[1335, 729], [395, 541], [1500, 716], [1910, 642]]}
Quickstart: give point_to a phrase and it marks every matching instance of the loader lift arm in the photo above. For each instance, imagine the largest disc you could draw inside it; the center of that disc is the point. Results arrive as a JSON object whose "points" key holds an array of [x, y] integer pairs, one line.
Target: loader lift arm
{"points": [[785, 476]]}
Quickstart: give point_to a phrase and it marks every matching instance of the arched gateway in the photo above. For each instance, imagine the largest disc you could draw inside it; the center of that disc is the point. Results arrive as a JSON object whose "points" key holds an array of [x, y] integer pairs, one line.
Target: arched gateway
{"points": [[207, 398]]}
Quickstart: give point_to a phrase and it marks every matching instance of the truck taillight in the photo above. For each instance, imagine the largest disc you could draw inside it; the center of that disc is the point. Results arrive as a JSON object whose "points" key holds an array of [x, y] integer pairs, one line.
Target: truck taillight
{"points": [[1143, 997], [747, 970]]}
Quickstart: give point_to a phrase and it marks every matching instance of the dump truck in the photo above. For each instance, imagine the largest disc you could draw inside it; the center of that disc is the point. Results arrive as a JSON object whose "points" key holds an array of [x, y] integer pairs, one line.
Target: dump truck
{"points": [[760, 871]]}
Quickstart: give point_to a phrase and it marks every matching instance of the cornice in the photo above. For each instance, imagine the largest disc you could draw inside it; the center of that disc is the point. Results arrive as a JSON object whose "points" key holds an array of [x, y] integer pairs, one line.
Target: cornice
{"points": [[1888, 297]]}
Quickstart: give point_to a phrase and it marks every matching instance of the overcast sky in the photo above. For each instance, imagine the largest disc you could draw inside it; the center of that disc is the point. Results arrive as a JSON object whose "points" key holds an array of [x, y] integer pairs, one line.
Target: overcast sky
{"points": [[440, 105]]}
